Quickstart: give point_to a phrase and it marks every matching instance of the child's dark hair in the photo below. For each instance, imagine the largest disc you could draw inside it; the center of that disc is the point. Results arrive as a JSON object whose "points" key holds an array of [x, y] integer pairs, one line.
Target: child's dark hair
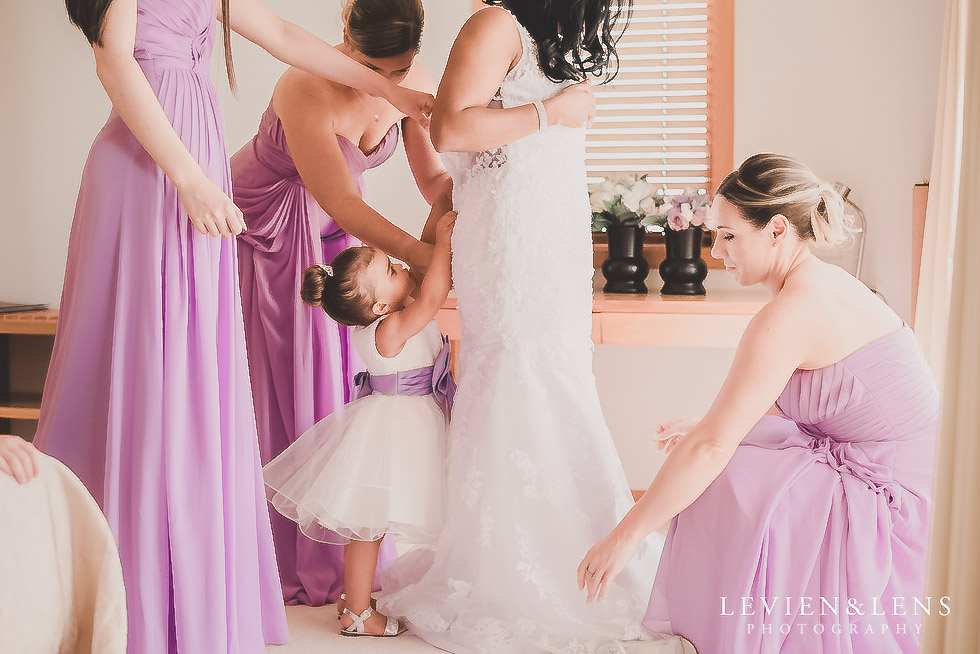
{"points": [[340, 292], [575, 38]]}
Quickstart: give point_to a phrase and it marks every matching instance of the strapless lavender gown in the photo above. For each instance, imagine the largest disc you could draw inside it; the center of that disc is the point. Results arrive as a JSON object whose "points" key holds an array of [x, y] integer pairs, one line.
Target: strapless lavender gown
{"points": [[147, 397], [301, 361], [826, 505]]}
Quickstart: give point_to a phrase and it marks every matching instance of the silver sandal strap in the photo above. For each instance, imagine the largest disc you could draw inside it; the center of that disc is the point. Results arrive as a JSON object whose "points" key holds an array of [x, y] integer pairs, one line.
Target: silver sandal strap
{"points": [[357, 621]]}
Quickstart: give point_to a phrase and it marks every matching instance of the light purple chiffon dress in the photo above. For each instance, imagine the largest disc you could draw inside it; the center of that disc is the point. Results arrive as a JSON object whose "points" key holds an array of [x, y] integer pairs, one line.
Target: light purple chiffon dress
{"points": [[301, 361], [823, 511], [147, 396]]}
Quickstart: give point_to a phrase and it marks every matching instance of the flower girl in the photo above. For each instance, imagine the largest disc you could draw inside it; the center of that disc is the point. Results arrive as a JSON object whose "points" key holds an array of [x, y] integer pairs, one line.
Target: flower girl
{"points": [[376, 466]]}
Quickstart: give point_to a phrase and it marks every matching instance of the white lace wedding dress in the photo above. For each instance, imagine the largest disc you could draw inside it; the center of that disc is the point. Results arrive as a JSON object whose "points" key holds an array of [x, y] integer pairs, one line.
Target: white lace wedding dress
{"points": [[533, 476]]}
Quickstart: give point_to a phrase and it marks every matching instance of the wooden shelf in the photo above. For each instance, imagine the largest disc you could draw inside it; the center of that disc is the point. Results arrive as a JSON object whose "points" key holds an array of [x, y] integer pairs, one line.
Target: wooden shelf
{"points": [[29, 322], [713, 320], [21, 406]]}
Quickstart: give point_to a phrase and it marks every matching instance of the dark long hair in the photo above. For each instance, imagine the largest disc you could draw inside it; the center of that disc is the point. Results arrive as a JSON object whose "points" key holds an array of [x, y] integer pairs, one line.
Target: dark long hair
{"points": [[89, 16], [575, 38]]}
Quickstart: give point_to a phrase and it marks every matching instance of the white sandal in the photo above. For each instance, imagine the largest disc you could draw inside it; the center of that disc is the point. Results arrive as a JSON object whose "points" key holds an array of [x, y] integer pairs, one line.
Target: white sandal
{"points": [[356, 628], [343, 598]]}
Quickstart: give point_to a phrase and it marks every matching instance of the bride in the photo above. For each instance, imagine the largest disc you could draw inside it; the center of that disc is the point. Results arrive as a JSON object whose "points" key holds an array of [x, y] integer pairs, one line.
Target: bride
{"points": [[533, 476]]}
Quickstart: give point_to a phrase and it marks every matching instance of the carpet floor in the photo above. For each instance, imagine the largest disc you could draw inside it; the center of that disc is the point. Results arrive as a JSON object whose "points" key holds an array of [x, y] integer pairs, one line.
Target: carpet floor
{"points": [[315, 630]]}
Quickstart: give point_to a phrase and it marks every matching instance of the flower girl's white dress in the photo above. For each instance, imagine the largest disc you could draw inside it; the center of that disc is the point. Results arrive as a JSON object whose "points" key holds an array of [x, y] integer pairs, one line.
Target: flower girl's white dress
{"points": [[533, 475], [376, 466]]}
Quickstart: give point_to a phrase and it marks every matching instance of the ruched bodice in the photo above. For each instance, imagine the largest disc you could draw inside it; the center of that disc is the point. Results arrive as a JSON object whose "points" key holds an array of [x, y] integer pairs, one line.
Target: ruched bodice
{"points": [[175, 33], [271, 150], [265, 175], [863, 414]]}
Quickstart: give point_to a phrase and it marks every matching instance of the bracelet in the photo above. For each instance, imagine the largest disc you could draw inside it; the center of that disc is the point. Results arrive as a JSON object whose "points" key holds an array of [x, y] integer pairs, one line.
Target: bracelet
{"points": [[542, 114]]}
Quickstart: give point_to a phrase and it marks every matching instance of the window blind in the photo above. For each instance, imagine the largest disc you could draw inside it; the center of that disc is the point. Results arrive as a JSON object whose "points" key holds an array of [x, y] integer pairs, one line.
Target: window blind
{"points": [[655, 118]]}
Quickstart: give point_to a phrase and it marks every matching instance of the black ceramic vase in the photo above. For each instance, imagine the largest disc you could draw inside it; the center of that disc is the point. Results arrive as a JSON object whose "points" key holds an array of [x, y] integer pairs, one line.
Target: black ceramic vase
{"points": [[683, 270], [625, 270]]}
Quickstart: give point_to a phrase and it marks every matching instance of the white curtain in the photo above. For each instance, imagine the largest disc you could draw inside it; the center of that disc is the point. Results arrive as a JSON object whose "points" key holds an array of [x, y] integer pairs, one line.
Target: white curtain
{"points": [[948, 326]]}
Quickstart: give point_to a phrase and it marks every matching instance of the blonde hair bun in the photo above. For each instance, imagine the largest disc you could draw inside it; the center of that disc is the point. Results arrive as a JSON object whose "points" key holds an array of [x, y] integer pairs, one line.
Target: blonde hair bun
{"points": [[767, 184]]}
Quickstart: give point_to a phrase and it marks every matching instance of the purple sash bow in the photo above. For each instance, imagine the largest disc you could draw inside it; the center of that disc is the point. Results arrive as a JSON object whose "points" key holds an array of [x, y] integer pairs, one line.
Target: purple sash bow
{"points": [[436, 380]]}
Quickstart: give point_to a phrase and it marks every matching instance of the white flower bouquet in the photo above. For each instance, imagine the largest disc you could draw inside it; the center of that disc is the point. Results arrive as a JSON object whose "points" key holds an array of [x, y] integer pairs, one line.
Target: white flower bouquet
{"points": [[630, 200]]}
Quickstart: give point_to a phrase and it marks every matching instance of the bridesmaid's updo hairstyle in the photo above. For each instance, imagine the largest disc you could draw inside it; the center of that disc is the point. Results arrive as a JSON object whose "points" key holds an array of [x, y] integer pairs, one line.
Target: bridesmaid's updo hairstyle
{"points": [[89, 16], [384, 28], [339, 292], [769, 184], [575, 38]]}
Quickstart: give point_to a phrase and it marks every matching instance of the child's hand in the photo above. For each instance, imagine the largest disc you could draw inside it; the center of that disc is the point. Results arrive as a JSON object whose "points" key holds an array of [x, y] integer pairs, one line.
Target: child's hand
{"points": [[444, 228], [18, 458]]}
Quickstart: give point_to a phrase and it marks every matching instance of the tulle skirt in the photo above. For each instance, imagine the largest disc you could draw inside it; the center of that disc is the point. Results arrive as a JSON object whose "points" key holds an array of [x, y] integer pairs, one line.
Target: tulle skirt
{"points": [[375, 467]]}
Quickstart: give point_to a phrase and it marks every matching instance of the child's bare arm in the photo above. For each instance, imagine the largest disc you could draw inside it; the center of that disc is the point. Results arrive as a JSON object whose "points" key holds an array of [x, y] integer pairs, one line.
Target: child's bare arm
{"points": [[397, 328]]}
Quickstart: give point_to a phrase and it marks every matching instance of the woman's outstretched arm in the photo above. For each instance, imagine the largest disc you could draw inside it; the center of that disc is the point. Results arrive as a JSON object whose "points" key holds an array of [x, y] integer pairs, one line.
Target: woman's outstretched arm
{"points": [[430, 175], [297, 47], [487, 47], [771, 348]]}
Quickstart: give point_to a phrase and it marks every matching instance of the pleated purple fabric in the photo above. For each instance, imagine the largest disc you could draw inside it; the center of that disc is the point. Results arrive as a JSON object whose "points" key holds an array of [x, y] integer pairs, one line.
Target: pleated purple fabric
{"points": [[824, 512], [147, 396], [301, 361]]}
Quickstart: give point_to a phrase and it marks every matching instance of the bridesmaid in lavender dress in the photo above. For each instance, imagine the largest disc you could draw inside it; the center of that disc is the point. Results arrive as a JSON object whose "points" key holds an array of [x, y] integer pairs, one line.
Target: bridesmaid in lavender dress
{"points": [[801, 501], [299, 183], [147, 396]]}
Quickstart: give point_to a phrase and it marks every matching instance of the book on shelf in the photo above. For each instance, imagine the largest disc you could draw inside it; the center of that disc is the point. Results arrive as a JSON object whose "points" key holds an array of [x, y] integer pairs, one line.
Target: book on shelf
{"points": [[19, 307]]}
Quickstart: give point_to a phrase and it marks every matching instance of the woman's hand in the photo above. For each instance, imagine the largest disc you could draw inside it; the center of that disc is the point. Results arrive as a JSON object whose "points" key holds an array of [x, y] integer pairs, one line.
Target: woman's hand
{"points": [[671, 432], [209, 208], [604, 561], [573, 106], [18, 458], [417, 105]]}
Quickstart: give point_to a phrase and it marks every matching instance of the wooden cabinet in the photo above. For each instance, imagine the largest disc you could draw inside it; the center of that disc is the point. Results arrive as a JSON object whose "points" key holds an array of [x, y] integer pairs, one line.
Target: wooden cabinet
{"points": [[26, 340]]}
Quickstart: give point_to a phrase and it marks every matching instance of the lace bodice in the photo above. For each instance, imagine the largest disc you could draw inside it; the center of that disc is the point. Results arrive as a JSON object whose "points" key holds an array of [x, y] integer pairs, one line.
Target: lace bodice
{"points": [[523, 215]]}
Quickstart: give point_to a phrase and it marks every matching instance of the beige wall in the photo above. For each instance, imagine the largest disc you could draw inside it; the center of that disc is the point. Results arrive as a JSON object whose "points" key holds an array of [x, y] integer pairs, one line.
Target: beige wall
{"points": [[848, 87]]}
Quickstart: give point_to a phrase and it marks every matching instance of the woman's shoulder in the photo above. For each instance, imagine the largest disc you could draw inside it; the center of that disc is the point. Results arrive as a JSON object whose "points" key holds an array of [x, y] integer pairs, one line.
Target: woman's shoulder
{"points": [[493, 22], [830, 311], [300, 91]]}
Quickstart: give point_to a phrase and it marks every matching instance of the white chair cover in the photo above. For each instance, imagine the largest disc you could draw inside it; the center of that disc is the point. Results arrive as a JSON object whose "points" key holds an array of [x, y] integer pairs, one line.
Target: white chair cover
{"points": [[61, 586]]}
